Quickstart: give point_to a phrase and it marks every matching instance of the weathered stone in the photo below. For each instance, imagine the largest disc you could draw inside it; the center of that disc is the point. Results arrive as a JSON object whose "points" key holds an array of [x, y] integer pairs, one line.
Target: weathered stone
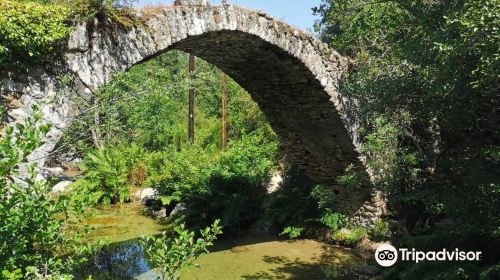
{"points": [[160, 214], [146, 196], [370, 208], [56, 171], [179, 209], [292, 76], [79, 40], [190, 2], [61, 186]]}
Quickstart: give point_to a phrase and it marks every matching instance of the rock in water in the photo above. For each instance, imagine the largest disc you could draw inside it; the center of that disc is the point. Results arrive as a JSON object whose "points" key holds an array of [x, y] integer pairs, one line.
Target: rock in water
{"points": [[61, 186], [160, 214], [56, 171], [146, 196], [179, 209]]}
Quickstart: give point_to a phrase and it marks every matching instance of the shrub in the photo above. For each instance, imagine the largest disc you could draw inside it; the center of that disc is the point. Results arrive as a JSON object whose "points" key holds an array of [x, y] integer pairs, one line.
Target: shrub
{"points": [[490, 273], [109, 12], [334, 221], [181, 172], [235, 185], [31, 32], [34, 239], [292, 203], [324, 196], [349, 237], [171, 254], [379, 229], [107, 178], [292, 232], [351, 179]]}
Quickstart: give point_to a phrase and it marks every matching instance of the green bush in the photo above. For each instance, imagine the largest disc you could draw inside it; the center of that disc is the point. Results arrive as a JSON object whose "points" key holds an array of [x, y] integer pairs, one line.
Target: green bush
{"points": [[292, 203], [235, 185], [490, 273], [424, 74], [181, 172], [334, 221], [292, 232], [229, 185], [34, 237], [31, 32], [349, 237], [380, 229], [172, 254], [351, 179], [109, 12], [107, 173]]}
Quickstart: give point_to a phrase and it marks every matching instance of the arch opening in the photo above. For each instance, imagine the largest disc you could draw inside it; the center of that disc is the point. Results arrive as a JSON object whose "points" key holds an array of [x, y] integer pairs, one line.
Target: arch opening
{"points": [[292, 99]]}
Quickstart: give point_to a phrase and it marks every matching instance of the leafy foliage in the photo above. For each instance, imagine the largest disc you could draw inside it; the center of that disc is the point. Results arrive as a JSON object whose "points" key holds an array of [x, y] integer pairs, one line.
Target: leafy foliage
{"points": [[230, 186], [334, 221], [292, 203], [172, 254], [349, 237], [380, 229], [31, 32], [425, 75], [292, 232], [108, 12], [109, 174], [34, 242]]}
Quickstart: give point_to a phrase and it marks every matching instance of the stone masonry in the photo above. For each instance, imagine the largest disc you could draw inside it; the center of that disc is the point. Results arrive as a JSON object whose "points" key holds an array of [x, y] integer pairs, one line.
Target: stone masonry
{"points": [[291, 75]]}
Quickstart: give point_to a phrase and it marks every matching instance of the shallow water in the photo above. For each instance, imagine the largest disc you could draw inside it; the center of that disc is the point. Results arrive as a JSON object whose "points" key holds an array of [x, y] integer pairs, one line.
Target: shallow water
{"points": [[118, 223], [300, 259], [251, 256]]}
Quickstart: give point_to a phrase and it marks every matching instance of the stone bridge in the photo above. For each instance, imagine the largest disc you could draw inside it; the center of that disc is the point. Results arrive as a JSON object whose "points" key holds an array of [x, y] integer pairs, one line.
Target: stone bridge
{"points": [[292, 76]]}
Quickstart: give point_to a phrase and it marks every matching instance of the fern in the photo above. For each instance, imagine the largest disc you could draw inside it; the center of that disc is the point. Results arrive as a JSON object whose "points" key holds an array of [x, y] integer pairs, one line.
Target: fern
{"points": [[107, 178]]}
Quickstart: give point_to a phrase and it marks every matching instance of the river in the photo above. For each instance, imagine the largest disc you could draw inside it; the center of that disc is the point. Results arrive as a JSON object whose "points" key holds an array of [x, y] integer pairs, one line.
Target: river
{"points": [[249, 256]]}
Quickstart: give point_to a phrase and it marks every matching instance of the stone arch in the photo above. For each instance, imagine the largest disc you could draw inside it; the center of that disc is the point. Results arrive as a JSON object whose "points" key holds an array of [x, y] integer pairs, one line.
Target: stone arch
{"points": [[291, 75]]}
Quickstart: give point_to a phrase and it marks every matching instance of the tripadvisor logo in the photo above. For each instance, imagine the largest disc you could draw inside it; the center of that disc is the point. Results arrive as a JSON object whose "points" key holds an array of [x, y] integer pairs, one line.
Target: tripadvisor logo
{"points": [[386, 255]]}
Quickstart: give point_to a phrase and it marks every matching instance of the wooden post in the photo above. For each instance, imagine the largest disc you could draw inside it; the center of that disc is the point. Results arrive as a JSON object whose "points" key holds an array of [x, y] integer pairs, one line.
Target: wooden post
{"points": [[191, 99], [223, 126]]}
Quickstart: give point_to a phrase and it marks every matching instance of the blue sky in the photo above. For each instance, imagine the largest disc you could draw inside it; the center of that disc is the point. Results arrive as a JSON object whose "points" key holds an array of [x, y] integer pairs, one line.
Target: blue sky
{"points": [[294, 12]]}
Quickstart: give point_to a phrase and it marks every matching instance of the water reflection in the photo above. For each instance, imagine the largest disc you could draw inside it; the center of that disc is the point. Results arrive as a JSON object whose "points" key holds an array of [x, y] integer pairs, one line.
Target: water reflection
{"points": [[246, 257], [123, 260]]}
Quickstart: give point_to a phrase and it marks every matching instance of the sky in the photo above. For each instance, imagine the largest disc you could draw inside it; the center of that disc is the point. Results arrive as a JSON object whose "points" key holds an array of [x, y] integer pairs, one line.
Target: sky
{"points": [[295, 12]]}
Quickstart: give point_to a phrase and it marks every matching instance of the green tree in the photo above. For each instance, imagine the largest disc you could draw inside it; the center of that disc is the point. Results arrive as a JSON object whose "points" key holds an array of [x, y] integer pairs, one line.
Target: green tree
{"points": [[425, 75]]}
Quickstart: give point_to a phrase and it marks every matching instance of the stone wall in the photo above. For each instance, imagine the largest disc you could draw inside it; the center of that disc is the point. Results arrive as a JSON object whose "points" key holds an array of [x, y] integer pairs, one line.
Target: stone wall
{"points": [[291, 75]]}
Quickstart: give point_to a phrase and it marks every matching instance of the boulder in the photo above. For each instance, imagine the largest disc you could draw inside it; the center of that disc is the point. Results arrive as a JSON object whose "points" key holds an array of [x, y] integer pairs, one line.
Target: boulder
{"points": [[146, 196], [179, 209], [274, 184], [56, 171], [61, 186], [160, 214], [79, 40]]}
